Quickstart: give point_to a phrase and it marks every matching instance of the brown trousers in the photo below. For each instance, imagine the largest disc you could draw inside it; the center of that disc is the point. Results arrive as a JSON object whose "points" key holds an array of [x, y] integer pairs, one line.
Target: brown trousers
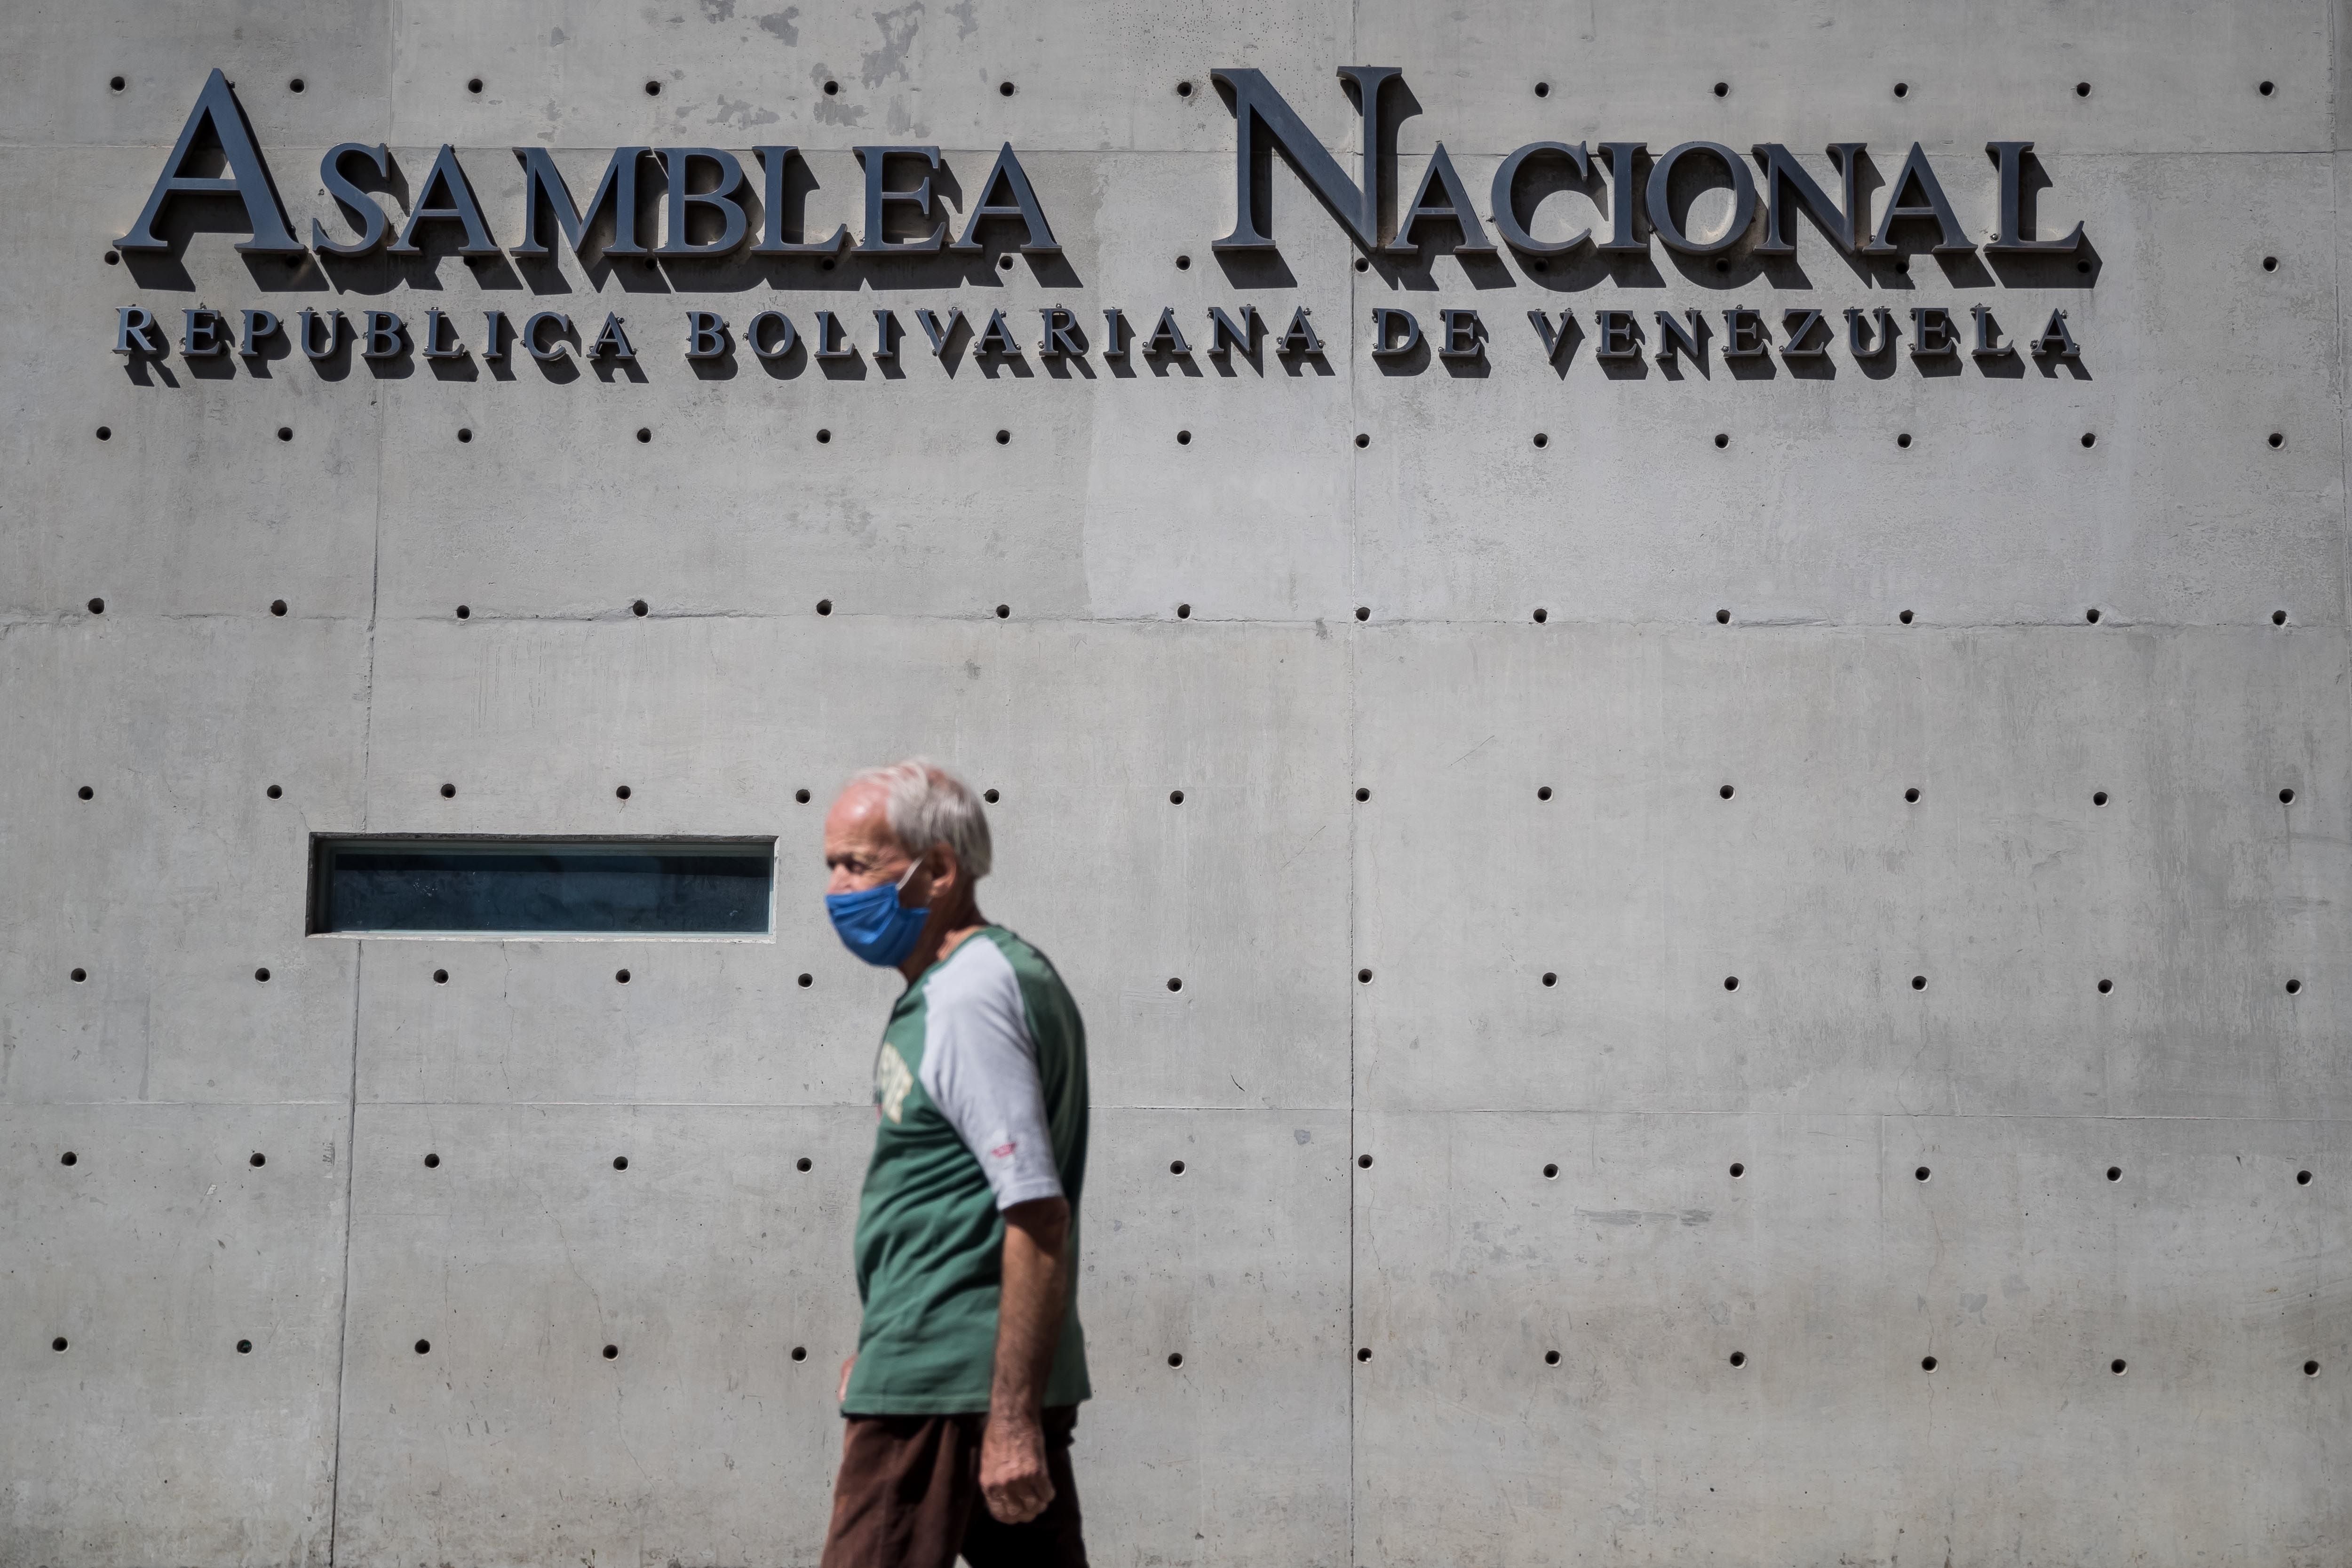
{"points": [[908, 1496]]}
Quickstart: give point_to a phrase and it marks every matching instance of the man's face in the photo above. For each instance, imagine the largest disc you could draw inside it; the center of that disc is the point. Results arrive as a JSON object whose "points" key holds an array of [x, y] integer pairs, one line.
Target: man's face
{"points": [[860, 851]]}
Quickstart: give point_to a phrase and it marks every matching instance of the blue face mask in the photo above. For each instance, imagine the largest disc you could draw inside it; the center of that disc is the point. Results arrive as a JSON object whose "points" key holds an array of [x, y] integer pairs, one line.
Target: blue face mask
{"points": [[873, 926]]}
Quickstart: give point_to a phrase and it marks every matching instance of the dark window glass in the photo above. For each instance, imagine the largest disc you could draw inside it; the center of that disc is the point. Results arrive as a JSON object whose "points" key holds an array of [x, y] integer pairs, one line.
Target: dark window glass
{"points": [[673, 887]]}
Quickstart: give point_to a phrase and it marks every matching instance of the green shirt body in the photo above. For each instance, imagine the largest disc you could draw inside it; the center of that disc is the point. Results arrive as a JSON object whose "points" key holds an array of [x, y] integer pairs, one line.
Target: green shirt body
{"points": [[980, 1099]]}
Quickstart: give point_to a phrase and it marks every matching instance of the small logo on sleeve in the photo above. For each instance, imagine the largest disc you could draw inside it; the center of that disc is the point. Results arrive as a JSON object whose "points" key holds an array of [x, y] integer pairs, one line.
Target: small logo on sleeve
{"points": [[1004, 1151]]}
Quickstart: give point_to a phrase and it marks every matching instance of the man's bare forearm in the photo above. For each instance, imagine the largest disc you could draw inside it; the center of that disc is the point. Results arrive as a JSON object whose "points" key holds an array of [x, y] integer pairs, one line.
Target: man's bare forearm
{"points": [[1036, 1287]]}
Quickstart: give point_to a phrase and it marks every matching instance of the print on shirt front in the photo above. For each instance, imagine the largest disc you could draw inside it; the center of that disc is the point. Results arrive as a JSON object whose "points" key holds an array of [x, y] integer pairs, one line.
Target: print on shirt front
{"points": [[980, 1098]]}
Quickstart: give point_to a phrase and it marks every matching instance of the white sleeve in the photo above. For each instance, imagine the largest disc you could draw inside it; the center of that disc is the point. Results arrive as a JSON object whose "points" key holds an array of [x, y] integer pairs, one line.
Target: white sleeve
{"points": [[979, 1068]]}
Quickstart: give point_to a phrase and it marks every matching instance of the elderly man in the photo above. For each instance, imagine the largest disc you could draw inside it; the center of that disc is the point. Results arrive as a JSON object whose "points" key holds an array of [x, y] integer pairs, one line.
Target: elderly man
{"points": [[970, 1365]]}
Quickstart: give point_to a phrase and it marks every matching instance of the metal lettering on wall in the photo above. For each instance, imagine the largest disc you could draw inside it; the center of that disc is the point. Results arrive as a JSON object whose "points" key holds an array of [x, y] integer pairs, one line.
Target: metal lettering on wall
{"points": [[708, 213]]}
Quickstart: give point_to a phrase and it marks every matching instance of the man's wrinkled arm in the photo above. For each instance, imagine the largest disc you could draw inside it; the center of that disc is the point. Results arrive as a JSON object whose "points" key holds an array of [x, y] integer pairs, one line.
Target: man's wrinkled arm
{"points": [[1036, 1288]]}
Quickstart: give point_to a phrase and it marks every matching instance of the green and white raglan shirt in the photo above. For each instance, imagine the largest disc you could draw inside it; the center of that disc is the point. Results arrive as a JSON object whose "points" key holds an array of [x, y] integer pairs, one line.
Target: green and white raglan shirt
{"points": [[979, 1094]]}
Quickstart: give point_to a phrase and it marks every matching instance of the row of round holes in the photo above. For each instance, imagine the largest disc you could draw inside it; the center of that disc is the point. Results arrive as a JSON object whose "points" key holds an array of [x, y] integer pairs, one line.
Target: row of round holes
{"points": [[1176, 1358], [1183, 612], [1363, 977], [2276, 439], [1183, 88], [1175, 1167]]}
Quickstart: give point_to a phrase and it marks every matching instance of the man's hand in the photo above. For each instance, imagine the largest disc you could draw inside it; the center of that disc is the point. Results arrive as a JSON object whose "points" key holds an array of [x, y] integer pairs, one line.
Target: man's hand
{"points": [[1037, 1286], [1012, 1469]]}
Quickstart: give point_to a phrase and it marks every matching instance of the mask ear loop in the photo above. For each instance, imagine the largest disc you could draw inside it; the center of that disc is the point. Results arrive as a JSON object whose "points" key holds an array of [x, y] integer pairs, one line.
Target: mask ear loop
{"points": [[909, 874]]}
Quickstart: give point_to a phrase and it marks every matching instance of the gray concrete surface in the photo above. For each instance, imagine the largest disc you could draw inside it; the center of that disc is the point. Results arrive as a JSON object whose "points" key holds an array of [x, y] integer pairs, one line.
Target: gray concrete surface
{"points": [[1364, 1377]]}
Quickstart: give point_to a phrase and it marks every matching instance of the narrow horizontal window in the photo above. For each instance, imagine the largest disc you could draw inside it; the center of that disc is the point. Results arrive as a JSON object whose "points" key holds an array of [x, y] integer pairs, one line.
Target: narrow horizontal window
{"points": [[543, 887]]}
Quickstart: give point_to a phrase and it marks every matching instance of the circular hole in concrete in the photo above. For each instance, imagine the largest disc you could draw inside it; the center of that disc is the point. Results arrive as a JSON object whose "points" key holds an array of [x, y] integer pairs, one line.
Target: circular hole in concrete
{"points": [[261, 974], [1004, 88], [1911, 797], [832, 88], [1543, 792], [1003, 611], [1918, 982], [1363, 1353], [1721, 440], [1723, 617], [464, 611], [2115, 1172], [1362, 265], [440, 977], [1175, 984], [2311, 1369], [653, 90], [1904, 439], [1364, 1162], [2302, 1178], [1543, 90], [824, 607], [1005, 262], [114, 258], [621, 975], [621, 791], [256, 1159], [422, 1346], [98, 607], [431, 1161], [1003, 437], [1175, 1358], [2269, 264], [1905, 617], [1542, 614], [295, 84], [2292, 986], [2105, 987], [2090, 437], [620, 1162], [1364, 977], [1740, 1358], [645, 433], [1363, 794], [801, 795], [78, 975], [802, 1163], [464, 434], [1361, 439], [1902, 89], [1183, 263], [105, 433], [2081, 89], [2098, 797], [2092, 616], [612, 1351], [277, 607], [2286, 797], [69, 1158], [2277, 440], [245, 1347], [1363, 612], [1183, 437], [1723, 89], [1183, 612], [823, 437], [1550, 977], [86, 792], [1928, 1363], [448, 791], [1731, 983], [1184, 89], [1551, 1173], [286, 432], [800, 1353], [474, 85], [638, 607], [1727, 792], [1737, 1170], [115, 82], [1175, 797], [2278, 617], [1920, 1174], [2267, 89], [1551, 1358], [805, 980], [58, 1343], [2117, 1366], [989, 795], [1542, 439]]}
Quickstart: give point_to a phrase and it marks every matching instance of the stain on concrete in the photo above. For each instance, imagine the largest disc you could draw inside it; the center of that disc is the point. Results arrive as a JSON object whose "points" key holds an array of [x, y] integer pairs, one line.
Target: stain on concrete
{"points": [[898, 28], [782, 23]]}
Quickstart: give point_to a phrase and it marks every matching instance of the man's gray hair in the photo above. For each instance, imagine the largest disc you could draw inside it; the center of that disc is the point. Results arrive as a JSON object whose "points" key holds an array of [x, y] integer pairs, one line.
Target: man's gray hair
{"points": [[927, 805]]}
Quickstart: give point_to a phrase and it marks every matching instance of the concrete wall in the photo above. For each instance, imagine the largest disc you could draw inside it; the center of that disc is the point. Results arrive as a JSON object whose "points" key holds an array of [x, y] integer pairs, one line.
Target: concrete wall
{"points": [[1457, 1264]]}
